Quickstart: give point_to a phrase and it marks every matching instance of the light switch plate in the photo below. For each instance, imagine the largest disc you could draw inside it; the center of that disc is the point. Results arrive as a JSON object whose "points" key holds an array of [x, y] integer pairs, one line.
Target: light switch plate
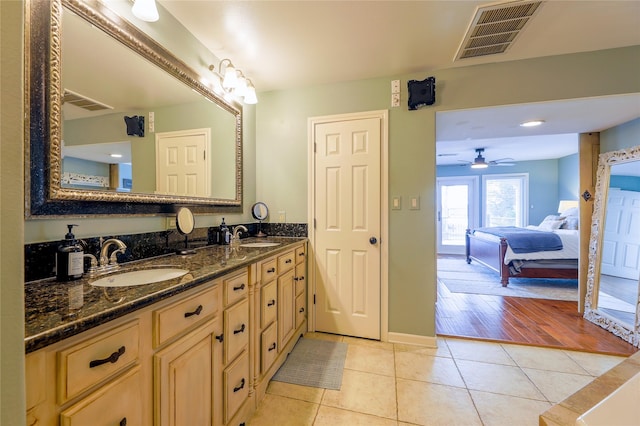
{"points": [[415, 203], [395, 86], [396, 203]]}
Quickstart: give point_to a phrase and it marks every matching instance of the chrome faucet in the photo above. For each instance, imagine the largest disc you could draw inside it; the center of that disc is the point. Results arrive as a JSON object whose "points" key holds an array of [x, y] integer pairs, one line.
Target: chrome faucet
{"points": [[237, 230]]}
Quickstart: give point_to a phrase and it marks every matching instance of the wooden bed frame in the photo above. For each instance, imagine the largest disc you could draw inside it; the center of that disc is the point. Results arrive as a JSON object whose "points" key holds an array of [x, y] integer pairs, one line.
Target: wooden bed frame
{"points": [[491, 254]]}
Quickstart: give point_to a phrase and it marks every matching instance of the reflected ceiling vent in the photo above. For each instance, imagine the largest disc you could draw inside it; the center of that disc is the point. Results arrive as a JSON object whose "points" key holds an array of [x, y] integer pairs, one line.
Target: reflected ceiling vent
{"points": [[494, 28], [82, 101]]}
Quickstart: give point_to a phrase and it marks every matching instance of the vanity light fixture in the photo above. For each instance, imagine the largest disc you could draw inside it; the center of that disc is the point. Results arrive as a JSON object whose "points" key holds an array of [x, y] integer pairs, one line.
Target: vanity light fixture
{"points": [[233, 81], [531, 123], [145, 10]]}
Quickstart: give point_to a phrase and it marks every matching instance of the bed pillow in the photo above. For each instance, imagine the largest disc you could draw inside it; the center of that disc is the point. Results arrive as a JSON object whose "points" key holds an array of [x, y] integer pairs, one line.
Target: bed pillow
{"points": [[551, 222], [573, 211], [571, 222]]}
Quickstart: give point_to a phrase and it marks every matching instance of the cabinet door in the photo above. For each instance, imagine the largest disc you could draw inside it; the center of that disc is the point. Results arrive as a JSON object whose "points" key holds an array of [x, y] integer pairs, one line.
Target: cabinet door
{"points": [[286, 307], [269, 347], [269, 304], [301, 310], [236, 330], [301, 282], [185, 379], [236, 386]]}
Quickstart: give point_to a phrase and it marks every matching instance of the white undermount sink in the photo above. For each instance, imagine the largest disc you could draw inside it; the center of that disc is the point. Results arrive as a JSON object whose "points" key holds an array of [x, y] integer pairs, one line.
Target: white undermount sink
{"points": [[264, 244], [141, 277]]}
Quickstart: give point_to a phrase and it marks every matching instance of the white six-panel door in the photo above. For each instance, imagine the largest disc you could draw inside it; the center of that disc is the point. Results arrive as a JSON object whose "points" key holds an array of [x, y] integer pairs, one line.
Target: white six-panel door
{"points": [[181, 162], [347, 227]]}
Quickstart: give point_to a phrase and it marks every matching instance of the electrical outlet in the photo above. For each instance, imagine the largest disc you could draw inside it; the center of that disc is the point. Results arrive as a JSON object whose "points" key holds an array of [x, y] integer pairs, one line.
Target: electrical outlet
{"points": [[395, 99], [282, 216], [395, 86], [171, 222]]}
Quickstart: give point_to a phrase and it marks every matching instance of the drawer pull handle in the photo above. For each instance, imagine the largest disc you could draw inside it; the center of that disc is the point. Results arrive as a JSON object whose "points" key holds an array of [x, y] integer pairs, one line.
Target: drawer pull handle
{"points": [[288, 261], [271, 270], [301, 278], [196, 312], [111, 358], [240, 287], [301, 254], [301, 310], [239, 387], [271, 302], [220, 338], [123, 422], [272, 347], [240, 330]]}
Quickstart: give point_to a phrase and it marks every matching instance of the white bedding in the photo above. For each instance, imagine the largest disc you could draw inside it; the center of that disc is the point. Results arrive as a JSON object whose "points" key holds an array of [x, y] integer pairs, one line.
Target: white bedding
{"points": [[570, 246]]}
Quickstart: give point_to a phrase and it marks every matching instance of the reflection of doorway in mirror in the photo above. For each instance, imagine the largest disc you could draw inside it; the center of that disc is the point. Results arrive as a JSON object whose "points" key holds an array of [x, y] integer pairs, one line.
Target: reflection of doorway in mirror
{"points": [[181, 162]]}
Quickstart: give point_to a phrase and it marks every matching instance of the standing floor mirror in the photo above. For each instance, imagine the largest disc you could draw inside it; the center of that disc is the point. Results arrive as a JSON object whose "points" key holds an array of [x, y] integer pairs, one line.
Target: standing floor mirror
{"points": [[613, 277]]}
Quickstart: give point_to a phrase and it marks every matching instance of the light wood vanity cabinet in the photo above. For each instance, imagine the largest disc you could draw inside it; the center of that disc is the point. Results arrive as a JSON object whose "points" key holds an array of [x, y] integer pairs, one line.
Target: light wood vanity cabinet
{"points": [[202, 357], [282, 314]]}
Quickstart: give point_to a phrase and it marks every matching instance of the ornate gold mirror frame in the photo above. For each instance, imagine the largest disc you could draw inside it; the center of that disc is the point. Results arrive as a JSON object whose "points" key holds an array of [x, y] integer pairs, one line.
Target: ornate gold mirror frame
{"points": [[45, 195]]}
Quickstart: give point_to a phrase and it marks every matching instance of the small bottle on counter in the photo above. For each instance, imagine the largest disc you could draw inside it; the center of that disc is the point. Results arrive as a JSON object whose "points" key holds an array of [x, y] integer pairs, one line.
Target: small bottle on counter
{"points": [[69, 258]]}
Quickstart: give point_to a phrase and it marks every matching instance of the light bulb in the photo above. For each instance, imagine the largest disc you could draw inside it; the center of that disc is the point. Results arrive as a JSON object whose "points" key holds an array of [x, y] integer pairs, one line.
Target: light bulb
{"points": [[145, 10]]}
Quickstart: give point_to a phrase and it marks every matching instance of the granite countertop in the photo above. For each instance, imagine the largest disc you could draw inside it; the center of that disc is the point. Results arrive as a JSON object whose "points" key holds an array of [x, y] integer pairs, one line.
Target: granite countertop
{"points": [[57, 310]]}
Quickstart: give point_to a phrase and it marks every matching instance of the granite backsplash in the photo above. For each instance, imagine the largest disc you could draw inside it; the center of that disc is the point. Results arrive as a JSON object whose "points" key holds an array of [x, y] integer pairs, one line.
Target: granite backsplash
{"points": [[40, 257]]}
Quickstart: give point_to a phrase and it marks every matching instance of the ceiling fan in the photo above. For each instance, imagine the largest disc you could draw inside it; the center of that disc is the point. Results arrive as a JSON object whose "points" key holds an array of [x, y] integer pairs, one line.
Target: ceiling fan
{"points": [[480, 163]]}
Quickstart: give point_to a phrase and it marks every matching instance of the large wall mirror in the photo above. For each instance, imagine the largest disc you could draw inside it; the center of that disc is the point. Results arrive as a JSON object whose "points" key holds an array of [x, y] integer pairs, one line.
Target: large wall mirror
{"points": [[613, 279], [92, 76]]}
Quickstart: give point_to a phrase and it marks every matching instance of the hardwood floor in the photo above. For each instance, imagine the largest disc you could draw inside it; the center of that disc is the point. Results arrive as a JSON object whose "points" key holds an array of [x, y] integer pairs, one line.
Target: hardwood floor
{"points": [[538, 322]]}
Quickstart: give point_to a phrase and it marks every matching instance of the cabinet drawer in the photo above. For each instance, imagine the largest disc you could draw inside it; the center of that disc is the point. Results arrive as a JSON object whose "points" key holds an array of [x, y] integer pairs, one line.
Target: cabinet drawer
{"points": [[236, 386], [117, 403], [269, 347], [236, 330], [301, 282], [269, 304], [181, 316], [301, 309], [94, 360], [235, 288], [286, 261], [301, 253], [268, 270]]}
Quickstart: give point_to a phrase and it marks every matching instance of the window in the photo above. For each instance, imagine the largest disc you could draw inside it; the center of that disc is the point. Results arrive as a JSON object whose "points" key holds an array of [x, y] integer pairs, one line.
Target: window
{"points": [[505, 199]]}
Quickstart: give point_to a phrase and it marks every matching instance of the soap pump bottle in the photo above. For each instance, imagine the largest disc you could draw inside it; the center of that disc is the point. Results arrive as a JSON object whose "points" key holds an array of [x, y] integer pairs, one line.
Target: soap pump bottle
{"points": [[69, 258], [223, 233]]}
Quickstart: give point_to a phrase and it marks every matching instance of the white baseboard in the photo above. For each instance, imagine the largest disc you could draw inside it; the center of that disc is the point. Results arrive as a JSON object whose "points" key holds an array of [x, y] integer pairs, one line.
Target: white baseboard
{"points": [[413, 339]]}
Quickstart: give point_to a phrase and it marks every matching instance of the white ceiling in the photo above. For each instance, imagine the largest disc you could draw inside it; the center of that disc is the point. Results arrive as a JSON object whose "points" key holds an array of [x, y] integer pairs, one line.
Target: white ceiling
{"points": [[288, 44]]}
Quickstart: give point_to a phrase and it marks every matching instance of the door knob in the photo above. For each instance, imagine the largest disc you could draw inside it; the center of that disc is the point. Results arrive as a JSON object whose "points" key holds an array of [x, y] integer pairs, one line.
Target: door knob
{"points": [[373, 240]]}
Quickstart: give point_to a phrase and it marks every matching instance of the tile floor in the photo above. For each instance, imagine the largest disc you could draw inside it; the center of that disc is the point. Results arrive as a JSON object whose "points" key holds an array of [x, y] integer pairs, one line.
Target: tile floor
{"points": [[462, 382]]}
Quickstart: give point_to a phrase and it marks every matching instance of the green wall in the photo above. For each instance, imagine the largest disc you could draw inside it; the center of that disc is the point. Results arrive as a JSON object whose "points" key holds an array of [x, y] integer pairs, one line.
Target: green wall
{"points": [[12, 398], [282, 148]]}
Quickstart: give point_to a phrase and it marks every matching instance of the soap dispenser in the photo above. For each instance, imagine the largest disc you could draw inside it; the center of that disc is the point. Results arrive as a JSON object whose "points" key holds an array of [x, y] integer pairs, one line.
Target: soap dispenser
{"points": [[224, 234], [69, 258]]}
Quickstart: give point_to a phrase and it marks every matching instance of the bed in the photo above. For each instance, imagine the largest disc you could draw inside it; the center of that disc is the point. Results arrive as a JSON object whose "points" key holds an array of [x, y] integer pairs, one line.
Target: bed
{"points": [[489, 247]]}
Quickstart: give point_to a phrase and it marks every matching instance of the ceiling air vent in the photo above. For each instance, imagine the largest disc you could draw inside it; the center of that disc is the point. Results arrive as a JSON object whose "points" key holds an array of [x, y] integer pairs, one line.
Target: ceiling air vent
{"points": [[494, 28], [82, 101]]}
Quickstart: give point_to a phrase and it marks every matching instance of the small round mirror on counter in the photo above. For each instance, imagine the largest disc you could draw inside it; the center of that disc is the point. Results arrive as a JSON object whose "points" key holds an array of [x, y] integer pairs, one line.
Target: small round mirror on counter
{"points": [[185, 224], [260, 211]]}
